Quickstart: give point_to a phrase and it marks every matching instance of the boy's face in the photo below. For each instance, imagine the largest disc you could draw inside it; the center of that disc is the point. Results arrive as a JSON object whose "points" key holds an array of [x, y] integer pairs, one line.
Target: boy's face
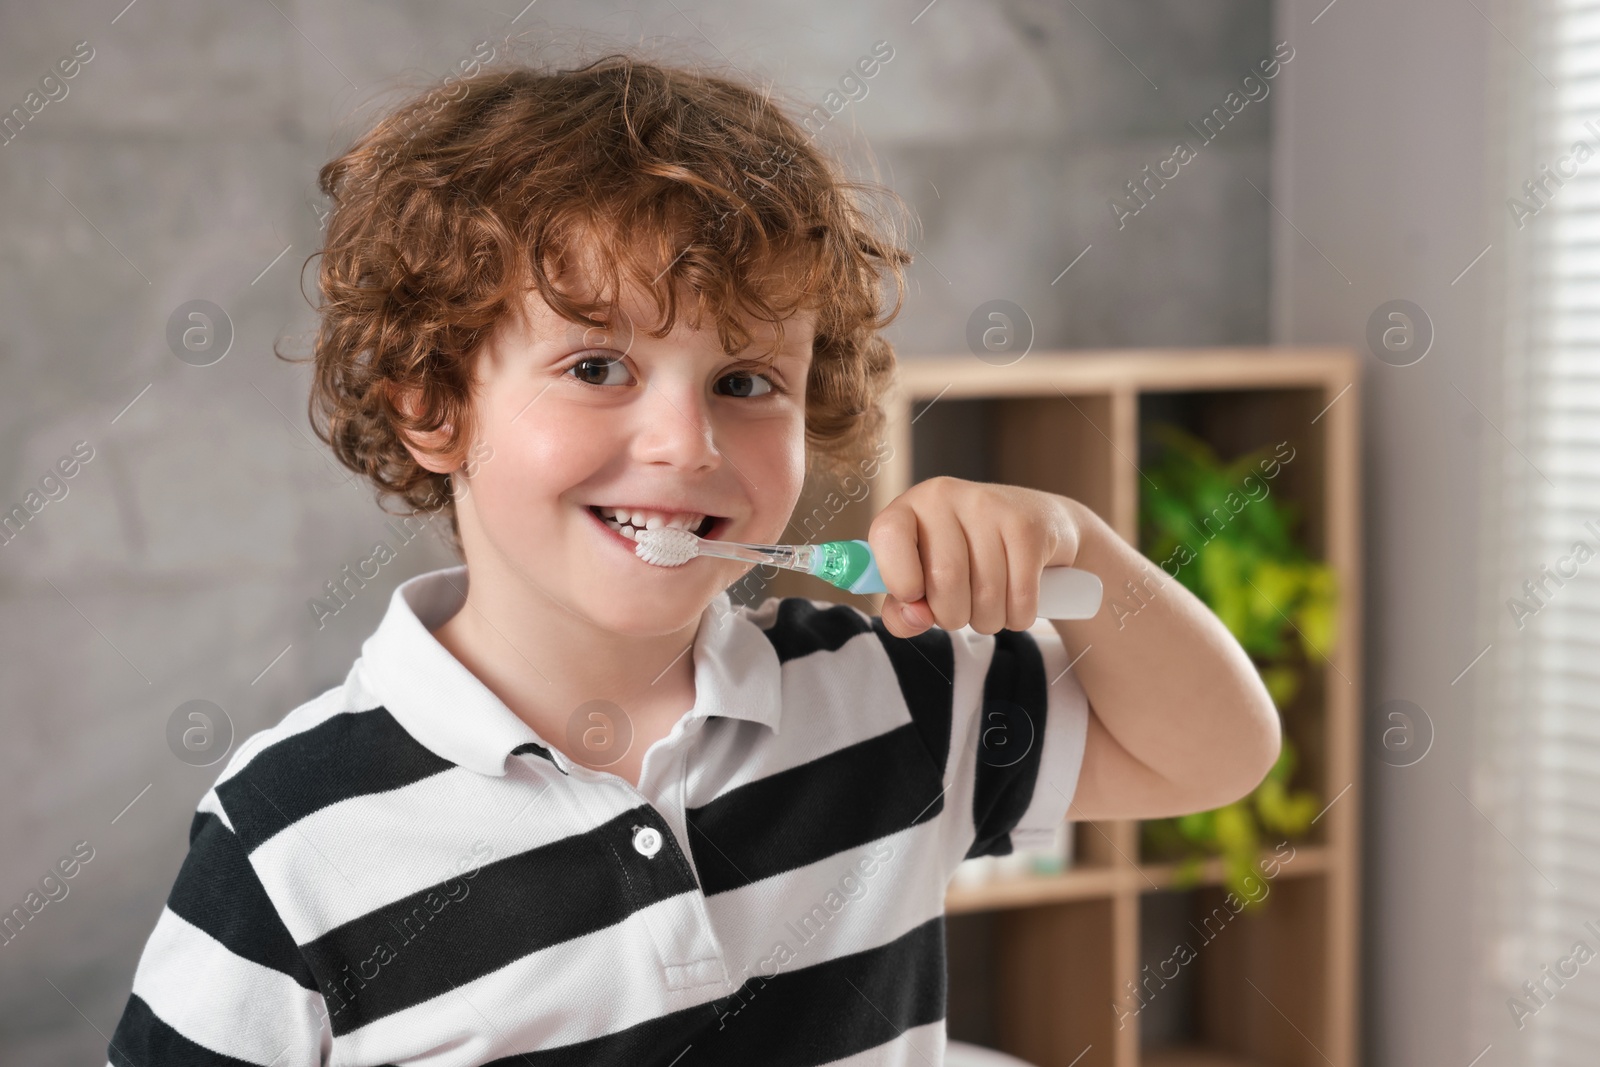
{"points": [[569, 419]]}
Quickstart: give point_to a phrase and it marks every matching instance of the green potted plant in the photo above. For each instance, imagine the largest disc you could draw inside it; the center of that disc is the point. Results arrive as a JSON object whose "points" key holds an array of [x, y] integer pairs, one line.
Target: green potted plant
{"points": [[1216, 527]]}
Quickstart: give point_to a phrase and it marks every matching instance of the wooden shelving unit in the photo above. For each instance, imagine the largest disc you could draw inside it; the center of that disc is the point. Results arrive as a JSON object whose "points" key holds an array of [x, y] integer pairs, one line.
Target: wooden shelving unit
{"points": [[1043, 967]]}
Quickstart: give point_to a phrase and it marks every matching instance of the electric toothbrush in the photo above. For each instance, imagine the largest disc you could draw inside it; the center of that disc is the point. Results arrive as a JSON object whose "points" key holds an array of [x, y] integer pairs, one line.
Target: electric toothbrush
{"points": [[1064, 592]]}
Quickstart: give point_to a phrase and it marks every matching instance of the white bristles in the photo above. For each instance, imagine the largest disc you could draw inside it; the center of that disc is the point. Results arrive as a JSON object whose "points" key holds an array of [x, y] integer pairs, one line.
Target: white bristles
{"points": [[670, 546]]}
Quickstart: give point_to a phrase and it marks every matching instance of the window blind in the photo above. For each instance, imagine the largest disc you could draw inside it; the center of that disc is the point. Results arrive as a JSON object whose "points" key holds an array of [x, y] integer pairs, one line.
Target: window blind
{"points": [[1538, 757]]}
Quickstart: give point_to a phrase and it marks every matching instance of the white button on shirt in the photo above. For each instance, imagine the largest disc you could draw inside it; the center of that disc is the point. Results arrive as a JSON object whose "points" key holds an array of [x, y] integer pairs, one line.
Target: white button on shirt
{"points": [[647, 841], [401, 871]]}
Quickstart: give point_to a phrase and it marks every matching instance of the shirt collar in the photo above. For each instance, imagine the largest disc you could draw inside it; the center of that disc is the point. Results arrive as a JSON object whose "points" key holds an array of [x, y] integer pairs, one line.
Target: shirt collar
{"points": [[446, 708]]}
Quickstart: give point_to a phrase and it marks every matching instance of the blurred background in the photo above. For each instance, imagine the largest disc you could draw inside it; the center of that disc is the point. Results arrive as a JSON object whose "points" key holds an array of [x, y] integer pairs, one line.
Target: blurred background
{"points": [[1389, 196]]}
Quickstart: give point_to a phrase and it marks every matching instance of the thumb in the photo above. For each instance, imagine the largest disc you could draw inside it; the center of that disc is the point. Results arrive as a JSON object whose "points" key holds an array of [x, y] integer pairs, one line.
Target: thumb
{"points": [[913, 617]]}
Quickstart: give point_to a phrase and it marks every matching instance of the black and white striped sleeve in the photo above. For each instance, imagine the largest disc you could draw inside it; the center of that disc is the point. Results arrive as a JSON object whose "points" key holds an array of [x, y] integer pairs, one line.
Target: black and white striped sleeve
{"points": [[1005, 720], [1023, 740], [221, 980]]}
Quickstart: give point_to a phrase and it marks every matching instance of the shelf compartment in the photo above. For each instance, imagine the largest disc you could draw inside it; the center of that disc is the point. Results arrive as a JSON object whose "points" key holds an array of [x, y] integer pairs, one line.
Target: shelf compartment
{"points": [[1250, 985], [1285, 424], [1035, 982]]}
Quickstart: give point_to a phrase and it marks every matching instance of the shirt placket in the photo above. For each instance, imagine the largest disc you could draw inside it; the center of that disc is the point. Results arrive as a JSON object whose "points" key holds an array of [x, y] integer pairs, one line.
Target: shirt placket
{"points": [[686, 946]]}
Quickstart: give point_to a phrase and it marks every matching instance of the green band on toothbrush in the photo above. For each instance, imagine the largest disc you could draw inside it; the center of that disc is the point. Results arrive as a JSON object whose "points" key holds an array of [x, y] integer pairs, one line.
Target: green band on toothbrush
{"points": [[849, 565]]}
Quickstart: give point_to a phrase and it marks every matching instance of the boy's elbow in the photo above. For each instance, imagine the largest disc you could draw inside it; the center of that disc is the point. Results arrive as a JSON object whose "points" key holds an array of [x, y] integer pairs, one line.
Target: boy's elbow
{"points": [[1258, 743], [1268, 744]]}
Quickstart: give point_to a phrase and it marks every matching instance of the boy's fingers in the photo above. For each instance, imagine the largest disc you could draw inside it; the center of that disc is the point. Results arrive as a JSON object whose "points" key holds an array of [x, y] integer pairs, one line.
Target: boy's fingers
{"points": [[988, 563], [893, 538], [1022, 594], [946, 570]]}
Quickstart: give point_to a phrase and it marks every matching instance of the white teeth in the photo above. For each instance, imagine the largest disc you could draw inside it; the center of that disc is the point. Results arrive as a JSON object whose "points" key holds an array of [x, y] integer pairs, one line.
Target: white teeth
{"points": [[630, 522]]}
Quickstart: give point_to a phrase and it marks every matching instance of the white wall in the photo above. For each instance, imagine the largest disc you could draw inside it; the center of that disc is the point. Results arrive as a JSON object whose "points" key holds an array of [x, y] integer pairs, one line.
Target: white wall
{"points": [[1383, 160]]}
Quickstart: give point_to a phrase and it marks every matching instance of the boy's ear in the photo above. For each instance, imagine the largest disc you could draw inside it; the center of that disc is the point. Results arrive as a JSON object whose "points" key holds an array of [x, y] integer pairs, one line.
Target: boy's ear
{"points": [[424, 447]]}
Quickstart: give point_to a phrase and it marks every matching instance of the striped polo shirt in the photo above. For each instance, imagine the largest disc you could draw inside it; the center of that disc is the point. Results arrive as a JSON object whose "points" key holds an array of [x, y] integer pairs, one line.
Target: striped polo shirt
{"points": [[402, 871]]}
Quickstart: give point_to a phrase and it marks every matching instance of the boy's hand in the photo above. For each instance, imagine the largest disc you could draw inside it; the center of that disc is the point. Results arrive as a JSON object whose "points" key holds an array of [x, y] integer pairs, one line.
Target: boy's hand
{"points": [[958, 553]]}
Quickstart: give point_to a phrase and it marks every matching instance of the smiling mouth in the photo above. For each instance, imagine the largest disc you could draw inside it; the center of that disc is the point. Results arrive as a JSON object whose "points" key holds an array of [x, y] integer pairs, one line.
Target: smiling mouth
{"points": [[709, 523]]}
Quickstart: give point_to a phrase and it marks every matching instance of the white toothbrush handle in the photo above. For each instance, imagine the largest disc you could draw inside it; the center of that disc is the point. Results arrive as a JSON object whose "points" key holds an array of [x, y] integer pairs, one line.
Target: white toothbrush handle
{"points": [[1069, 593]]}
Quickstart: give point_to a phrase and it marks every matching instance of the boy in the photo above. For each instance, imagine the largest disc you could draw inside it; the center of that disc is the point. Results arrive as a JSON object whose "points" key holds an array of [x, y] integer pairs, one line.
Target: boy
{"points": [[570, 808]]}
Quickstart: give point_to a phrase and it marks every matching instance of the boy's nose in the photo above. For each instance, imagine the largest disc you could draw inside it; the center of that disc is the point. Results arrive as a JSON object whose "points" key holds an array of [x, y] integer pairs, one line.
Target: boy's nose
{"points": [[677, 428]]}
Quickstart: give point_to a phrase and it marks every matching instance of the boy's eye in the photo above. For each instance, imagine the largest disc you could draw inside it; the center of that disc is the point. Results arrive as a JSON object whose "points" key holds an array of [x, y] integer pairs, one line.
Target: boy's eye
{"points": [[596, 371], [602, 362], [745, 378]]}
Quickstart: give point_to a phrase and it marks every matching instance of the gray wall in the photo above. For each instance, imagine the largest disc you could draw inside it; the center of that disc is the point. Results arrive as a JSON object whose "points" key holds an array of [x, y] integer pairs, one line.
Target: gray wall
{"points": [[181, 165], [1384, 165]]}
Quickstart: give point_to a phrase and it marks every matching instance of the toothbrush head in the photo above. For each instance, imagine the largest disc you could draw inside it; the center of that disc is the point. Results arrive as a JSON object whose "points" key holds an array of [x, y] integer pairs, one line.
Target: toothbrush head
{"points": [[670, 546]]}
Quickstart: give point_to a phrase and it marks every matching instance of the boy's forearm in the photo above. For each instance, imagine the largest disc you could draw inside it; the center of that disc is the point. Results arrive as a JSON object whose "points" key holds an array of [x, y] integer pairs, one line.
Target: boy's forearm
{"points": [[1164, 676]]}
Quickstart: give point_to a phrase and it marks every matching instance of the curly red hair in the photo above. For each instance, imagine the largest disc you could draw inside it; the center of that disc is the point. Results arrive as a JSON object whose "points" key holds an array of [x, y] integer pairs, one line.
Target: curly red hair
{"points": [[664, 177]]}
